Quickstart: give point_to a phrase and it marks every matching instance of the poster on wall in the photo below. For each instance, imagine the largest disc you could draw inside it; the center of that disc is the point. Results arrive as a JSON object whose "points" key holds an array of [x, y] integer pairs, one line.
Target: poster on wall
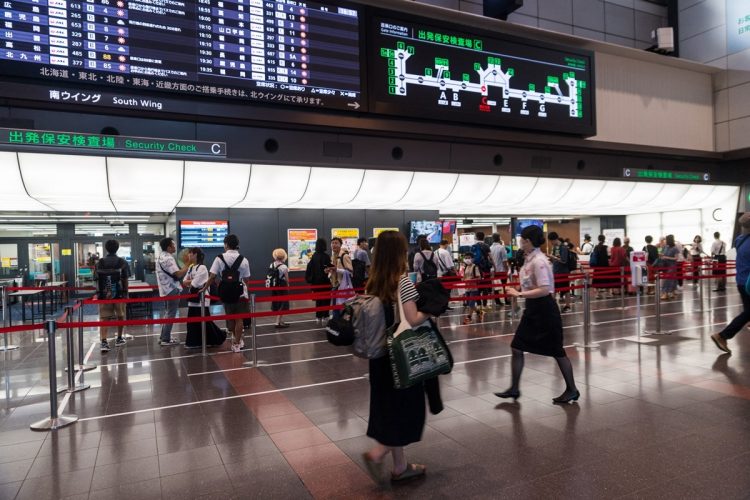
{"points": [[300, 246], [611, 234], [349, 237], [42, 253], [377, 230], [5, 262], [466, 240], [738, 26]]}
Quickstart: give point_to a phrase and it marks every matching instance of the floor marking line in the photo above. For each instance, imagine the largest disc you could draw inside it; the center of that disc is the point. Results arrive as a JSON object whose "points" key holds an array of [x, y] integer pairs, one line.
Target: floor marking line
{"points": [[66, 398], [269, 364]]}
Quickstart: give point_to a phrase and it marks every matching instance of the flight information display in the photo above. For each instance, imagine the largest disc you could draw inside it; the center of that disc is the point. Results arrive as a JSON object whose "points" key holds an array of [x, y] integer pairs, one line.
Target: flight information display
{"points": [[290, 52], [203, 233], [421, 71]]}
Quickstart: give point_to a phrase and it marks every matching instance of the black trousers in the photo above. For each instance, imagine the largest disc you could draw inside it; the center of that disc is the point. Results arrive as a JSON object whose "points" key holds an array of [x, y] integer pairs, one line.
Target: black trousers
{"points": [[741, 320]]}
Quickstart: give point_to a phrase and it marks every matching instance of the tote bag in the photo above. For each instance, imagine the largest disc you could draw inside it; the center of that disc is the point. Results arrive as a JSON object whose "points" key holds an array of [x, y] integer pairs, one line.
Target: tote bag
{"points": [[416, 354]]}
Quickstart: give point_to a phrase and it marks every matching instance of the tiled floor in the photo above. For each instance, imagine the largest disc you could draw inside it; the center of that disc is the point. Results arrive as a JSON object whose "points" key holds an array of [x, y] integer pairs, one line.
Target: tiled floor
{"points": [[661, 420]]}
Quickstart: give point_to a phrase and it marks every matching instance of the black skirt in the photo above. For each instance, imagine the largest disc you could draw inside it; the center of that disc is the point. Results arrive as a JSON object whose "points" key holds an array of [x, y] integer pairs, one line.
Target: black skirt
{"points": [[397, 416], [540, 330]]}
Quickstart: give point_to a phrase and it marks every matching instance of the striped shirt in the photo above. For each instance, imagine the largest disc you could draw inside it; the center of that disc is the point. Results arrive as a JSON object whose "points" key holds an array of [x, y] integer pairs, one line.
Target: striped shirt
{"points": [[407, 290]]}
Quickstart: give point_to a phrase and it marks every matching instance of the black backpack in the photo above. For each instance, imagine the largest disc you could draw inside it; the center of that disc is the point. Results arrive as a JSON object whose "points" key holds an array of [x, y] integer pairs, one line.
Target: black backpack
{"points": [[273, 277], [482, 258], [429, 268], [230, 288], [572, 261], [109, 282], [359, 269]]}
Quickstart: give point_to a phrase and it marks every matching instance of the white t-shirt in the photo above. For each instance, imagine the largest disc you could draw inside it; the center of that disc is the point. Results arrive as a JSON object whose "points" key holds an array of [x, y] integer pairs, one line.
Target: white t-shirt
{"points": [[166, 264], [718, 247], [244, 270], [537, 272], [199, 277], [444, 261]]}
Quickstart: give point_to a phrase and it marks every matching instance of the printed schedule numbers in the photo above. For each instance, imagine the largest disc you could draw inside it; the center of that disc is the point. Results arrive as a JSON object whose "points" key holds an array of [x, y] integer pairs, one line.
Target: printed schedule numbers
{"points": [[285, 51]]}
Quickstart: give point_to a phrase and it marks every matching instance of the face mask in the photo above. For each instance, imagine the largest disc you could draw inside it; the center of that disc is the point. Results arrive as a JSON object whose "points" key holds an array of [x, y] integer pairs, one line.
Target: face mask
{"points": [[467, 261]]}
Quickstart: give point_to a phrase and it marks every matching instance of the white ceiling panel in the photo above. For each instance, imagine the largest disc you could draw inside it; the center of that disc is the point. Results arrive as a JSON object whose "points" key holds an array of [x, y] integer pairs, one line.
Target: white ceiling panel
{"points": [[274, 186], [144, 185], [13, 195], [510, 193], [642, 194], [427, 190], [218, 185], [381, 189], [330, 188], [67, 183], [470, 190]]}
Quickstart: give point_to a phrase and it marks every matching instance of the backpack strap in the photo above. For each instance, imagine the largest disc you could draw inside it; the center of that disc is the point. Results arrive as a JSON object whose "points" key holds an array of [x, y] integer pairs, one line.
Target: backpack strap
{"points": [[221, 257], [236, 264]]}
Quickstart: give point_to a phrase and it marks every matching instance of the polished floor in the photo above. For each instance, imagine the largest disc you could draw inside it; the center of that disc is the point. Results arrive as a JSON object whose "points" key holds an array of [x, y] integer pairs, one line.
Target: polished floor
{"points": [[665, 419]]}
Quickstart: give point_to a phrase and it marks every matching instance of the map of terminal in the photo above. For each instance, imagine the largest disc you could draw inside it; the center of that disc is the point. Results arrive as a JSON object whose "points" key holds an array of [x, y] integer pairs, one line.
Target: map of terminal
{"points": [[490, 76]]}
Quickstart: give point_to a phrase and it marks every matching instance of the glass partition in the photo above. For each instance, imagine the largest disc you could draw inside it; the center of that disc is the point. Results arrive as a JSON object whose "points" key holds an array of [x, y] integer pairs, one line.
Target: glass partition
{"points": [[44, 261], [8, 260]]}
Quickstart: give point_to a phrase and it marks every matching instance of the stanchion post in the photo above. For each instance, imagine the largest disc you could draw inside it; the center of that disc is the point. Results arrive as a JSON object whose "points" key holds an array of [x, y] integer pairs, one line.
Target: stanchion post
{"points": [[658, 302], [701, 290], [6, 316], [252, 331], [81, 365], [70, 355], [201, 299], [622, 287], [54, 421], [586, 296], [710, 284]]}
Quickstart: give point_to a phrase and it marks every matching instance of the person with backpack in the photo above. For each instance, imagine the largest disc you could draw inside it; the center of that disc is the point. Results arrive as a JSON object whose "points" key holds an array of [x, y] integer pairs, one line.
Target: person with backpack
{"points": [[424, 262], [276, 279], [587, 246], [471, 275], [340, 271], [483, 260], [397, 416], [742, 244], [316, 273], [599, 261], [195, 279], [360, 263], [168, 276], [111, 275], [560, 257], [233, 270], [500, 263]]}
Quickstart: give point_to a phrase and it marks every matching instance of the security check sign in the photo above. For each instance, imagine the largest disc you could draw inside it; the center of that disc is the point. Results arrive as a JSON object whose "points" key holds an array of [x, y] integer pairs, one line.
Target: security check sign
{"points": [[638, 270]]}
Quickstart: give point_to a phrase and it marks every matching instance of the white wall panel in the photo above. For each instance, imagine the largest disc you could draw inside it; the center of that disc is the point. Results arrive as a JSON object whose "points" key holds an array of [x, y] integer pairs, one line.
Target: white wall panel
{"points": [[143, 185]]}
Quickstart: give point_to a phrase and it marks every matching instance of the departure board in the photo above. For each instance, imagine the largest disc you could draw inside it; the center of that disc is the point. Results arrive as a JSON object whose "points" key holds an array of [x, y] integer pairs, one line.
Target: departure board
{"points": [[203, 233], [285, 51], [423, 71]]}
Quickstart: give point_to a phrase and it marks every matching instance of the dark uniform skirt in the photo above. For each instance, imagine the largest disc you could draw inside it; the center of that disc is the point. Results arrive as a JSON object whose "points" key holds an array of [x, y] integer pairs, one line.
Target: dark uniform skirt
{"points": [[540, 330]]}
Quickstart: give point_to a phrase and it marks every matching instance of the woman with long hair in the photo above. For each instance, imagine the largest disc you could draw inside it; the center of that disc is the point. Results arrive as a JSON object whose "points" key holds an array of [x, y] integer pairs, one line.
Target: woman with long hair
{"points": [[317, 274], [397, 416], [540, 330], [195, 279]]}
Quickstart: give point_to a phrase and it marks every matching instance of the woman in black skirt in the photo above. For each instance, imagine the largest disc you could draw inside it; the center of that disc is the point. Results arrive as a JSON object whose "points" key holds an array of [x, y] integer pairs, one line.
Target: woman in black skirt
{"points": [[540, 330], [397, 416]]}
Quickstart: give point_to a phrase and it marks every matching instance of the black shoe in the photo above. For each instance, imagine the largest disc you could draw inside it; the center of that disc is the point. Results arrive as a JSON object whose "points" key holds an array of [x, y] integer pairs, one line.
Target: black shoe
{"points": [[509, 394], [120, 342], [720, 289], [104, 347], [567, 397]]}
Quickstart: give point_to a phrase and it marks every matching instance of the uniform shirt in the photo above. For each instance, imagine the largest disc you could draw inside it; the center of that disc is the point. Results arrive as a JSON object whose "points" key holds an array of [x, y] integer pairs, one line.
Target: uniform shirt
{"points": [[718, 247], [198, 274], [499, 257], [537, 272], [742, 244], [230, 256], [444, 261], [166, 264]]}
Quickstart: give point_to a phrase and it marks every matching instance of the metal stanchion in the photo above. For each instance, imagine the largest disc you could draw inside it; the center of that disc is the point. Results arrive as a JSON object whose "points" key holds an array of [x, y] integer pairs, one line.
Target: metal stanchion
{"points": [[201, 299], [701, 290], [6, 316], [54, 421], [657, 294], [622, 287], [253, 332], [70, 354], [710, 285], [81, 366], [586, 296]]}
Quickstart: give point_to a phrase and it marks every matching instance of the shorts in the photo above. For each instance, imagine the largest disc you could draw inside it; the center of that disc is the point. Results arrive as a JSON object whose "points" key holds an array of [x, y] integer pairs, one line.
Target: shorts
{"points": [[472, 293], [111, 311], [561, 282], [241, 307]]}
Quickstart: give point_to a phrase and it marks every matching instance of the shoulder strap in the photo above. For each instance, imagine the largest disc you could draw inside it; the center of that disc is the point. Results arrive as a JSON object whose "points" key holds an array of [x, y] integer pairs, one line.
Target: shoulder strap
{"points": [[236, 264], [221, 257], [440, 263]]}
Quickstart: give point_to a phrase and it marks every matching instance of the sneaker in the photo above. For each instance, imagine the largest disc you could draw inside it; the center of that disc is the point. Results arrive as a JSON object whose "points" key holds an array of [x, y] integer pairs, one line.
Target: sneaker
{"points": [[281, 325], [104, 347], [566, 309], [236, 347], [721, 343], [168, 343], [120, 342]]}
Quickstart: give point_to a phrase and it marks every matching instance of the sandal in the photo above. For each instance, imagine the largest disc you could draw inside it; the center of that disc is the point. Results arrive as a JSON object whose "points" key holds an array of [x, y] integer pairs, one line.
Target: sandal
{"points": [[374, 468], [412, 471]]}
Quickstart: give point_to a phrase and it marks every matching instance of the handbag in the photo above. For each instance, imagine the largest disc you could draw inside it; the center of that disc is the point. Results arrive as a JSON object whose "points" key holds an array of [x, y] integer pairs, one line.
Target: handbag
{"points": [[416, 354], [433, 297]]}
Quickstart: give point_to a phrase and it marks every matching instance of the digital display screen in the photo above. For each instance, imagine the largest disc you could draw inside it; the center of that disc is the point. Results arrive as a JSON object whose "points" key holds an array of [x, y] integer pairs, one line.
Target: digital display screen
{"points": [[522, 224], [432, 229], [203, 233], [449, 226], [289, 52], [422, 71]]}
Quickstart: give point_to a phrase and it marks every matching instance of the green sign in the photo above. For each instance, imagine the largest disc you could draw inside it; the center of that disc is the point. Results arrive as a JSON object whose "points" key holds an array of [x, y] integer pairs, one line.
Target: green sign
{"points": [[109, 143], [665, 175]]}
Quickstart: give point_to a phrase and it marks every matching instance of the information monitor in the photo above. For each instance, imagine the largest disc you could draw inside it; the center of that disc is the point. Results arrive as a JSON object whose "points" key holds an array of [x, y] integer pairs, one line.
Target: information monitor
{"points": [[203, 233], [288, 52]]}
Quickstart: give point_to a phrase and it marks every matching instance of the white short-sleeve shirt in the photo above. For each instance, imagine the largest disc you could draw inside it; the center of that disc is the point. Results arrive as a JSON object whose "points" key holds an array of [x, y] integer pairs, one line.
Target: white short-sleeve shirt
{"points": [[230, 256], [198, 276], [537, 272], [165, 266]]}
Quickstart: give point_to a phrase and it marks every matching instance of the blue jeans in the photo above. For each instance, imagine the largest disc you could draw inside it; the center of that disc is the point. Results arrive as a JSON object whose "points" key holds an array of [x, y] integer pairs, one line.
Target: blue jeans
{"points": [[170, 312], [740, 321]]}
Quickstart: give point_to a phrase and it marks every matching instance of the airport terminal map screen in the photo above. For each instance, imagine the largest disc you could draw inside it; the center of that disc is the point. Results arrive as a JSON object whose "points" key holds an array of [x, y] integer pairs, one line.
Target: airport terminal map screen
{"points": [[417, 70], [291, 52], [203, 233]]}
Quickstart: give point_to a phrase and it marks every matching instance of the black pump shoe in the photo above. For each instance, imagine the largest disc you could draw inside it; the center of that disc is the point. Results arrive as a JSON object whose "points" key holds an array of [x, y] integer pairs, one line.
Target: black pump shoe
{"points": [[509, 394], [567, 397]]}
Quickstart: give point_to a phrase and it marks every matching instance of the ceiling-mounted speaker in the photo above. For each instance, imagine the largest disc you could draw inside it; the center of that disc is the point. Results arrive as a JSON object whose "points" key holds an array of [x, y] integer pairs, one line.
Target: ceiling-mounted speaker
{"points": [[499, 9]]}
